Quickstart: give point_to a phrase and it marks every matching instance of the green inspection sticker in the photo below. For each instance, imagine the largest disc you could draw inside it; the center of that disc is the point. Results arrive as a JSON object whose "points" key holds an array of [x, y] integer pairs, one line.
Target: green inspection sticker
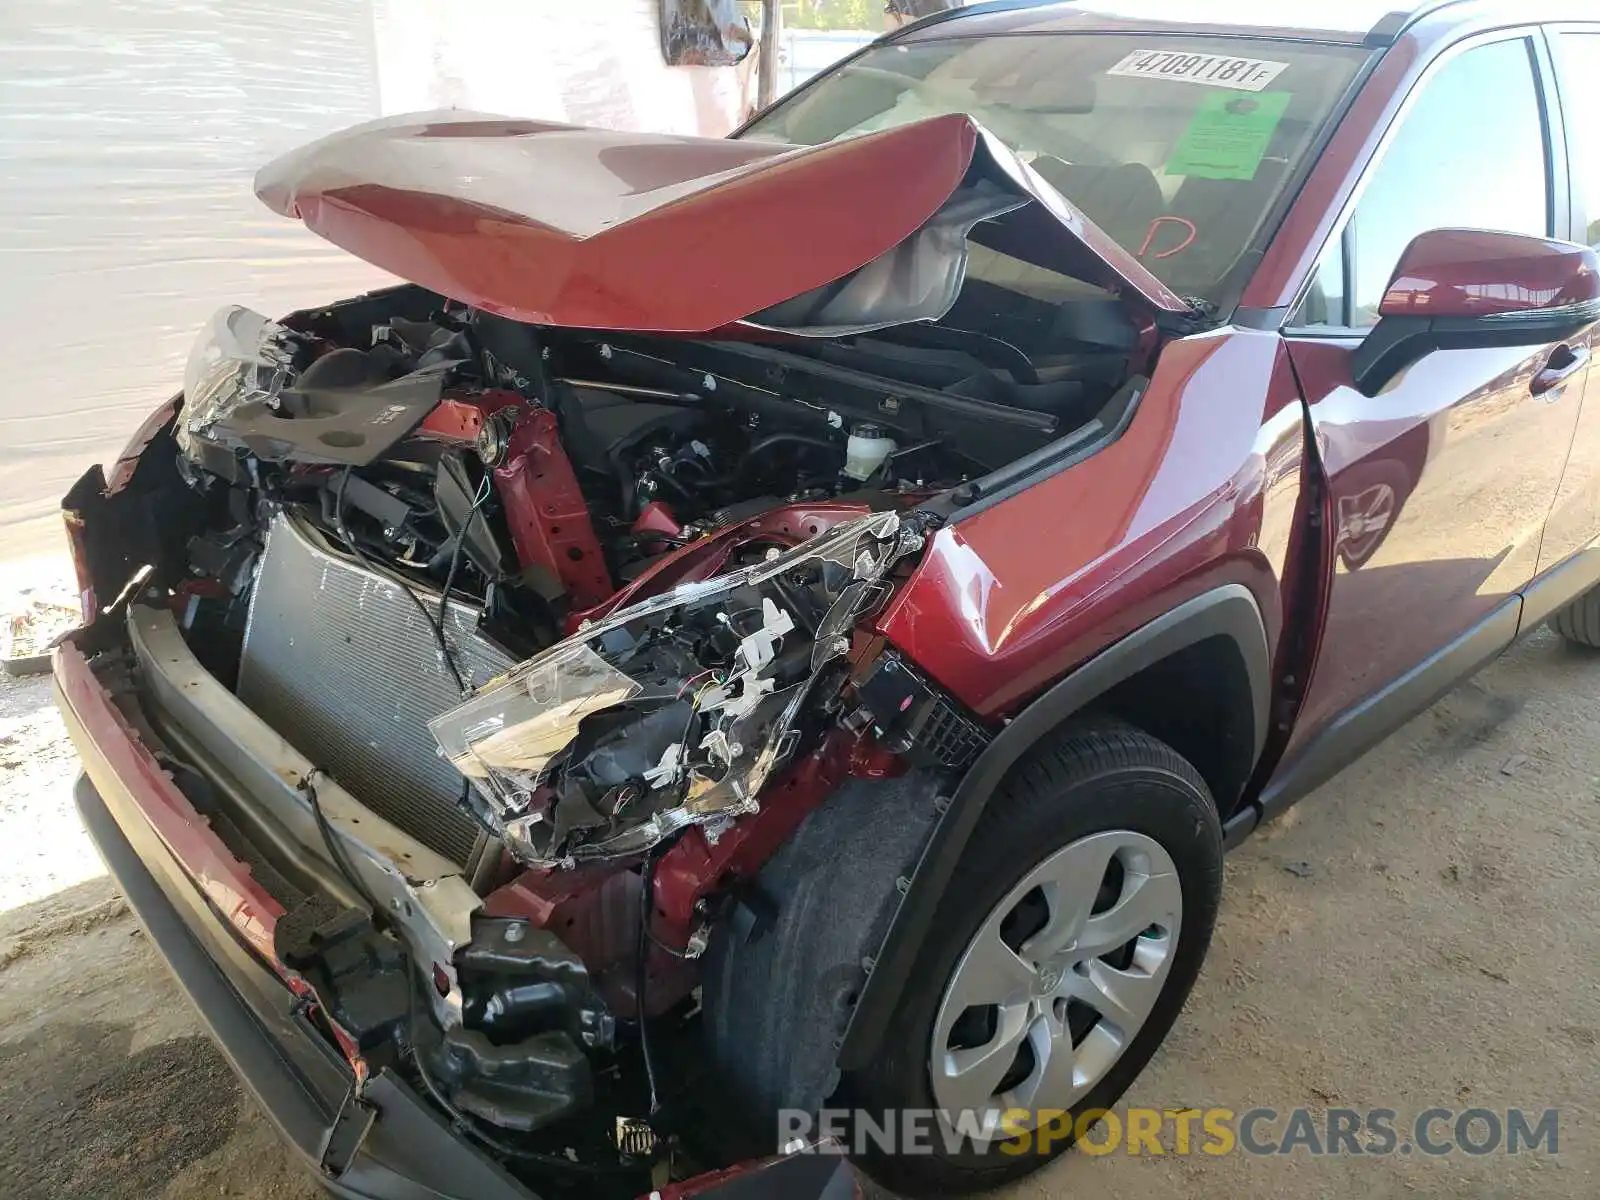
{"points": [[1228, 135]]}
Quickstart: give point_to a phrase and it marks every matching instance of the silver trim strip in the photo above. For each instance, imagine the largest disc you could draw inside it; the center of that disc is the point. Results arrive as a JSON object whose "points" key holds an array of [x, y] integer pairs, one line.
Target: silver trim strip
{"points": [[1579, 310]]}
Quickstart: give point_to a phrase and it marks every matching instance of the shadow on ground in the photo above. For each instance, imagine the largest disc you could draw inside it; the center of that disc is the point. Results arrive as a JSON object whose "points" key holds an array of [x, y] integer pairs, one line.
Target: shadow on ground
{"points": [[86, 1116]]}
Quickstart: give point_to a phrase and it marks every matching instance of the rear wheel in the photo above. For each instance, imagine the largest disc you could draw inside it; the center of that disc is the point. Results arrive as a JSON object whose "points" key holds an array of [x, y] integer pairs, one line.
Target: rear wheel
{"points": [[1579, 622], [1067, 943]]}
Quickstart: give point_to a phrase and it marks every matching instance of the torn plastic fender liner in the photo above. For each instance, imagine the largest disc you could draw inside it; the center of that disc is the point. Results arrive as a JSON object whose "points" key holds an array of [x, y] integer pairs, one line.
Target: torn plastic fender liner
{"points": [[596, 229], [671, 712]]}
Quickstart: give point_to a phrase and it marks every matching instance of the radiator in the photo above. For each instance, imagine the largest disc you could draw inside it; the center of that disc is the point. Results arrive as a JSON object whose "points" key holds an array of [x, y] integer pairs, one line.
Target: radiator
{"points": [[340, 663]]}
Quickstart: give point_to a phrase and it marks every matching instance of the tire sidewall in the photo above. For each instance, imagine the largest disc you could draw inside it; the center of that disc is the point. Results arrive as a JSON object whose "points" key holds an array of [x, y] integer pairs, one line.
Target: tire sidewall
{"points": [[1166, 805]]}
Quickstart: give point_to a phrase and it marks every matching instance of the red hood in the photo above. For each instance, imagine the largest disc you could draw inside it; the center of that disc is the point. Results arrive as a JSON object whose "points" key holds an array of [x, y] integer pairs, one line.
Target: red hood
{"points": [[589, 228]]}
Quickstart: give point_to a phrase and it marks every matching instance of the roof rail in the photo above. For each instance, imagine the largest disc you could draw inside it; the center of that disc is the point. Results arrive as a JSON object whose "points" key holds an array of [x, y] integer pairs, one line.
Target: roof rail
{"points": [[982, 6], [1385, 33], [1388, 30]]}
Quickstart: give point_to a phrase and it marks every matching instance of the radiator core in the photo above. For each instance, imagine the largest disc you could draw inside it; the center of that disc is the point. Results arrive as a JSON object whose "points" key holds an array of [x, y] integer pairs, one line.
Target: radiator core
{"points": [[339, 661]]}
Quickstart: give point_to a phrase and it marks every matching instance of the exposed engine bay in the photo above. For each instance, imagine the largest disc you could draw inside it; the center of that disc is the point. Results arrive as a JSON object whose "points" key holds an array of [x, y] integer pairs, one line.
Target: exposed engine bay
{"points": [[587, 618], [711, 520]]}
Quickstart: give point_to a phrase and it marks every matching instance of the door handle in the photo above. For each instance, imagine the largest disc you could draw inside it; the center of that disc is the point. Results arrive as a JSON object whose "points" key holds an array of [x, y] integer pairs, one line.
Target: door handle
{"points": [[1564, 362]]}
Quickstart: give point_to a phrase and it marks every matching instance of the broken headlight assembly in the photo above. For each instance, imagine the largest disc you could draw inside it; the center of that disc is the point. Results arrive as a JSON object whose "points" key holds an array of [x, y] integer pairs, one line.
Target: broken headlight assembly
{"points": [[240, 358], [674, 711], [253, 384]]}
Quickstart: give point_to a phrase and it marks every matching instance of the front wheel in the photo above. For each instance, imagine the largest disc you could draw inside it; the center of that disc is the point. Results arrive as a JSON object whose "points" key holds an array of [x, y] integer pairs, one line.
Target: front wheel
{"points": [[1065, 947]]}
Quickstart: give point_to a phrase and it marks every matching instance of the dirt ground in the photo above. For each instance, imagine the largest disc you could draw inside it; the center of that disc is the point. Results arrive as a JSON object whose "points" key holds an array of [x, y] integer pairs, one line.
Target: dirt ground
{"points": [[1420, 933]]}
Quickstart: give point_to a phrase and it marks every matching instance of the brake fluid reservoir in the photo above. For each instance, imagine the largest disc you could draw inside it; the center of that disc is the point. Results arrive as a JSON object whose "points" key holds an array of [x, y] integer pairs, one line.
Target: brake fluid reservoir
{"points": [[866, 450]]}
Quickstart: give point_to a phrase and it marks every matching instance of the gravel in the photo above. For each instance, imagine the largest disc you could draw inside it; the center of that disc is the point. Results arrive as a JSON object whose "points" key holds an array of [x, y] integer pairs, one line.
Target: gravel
{"points": [[1438, 951]]}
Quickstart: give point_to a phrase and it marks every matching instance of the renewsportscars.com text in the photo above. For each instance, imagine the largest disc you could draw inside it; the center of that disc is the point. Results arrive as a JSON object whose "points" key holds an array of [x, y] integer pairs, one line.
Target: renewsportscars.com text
{"points": [[1432, 1132]]}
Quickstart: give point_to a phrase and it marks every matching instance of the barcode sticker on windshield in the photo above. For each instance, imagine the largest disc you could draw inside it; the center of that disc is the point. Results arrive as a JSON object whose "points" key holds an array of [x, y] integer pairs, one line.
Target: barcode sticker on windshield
{"points": [[1217, 70]]}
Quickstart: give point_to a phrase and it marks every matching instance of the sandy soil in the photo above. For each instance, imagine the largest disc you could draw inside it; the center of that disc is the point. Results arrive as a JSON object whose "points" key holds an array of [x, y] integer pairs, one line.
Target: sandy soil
{"points": [[1422, 932]]}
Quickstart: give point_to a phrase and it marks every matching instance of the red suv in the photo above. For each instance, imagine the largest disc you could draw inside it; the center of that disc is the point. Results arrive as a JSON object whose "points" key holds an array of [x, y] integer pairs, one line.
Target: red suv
{"points": [[797, 619]]}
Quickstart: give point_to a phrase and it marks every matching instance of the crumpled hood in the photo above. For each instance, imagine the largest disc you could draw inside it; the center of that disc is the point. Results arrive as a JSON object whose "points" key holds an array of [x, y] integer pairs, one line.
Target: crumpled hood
{"points": [[589, 228]]}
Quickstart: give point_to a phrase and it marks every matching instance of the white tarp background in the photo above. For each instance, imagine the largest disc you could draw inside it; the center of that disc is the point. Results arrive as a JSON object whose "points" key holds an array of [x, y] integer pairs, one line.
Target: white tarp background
{"points": [[128, 138], [588, 62]]}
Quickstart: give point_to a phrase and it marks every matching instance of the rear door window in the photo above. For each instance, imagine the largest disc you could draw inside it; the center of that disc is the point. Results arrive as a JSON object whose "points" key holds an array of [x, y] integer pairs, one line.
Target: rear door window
{"points": [[1580, 99]]}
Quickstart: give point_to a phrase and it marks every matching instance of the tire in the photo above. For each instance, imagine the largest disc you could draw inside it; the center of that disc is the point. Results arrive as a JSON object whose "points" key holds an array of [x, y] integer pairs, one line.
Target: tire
{"points": [[1579, 622], [1098, 788]]}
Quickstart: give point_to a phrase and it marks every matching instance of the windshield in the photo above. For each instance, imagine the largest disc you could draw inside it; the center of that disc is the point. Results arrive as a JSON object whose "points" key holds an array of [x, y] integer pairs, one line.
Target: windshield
{"points": [[1175, 146]]}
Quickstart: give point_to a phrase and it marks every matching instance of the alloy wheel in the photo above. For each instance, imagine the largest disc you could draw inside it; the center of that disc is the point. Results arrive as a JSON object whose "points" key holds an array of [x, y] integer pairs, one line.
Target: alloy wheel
{"points": [[1059, 978]]}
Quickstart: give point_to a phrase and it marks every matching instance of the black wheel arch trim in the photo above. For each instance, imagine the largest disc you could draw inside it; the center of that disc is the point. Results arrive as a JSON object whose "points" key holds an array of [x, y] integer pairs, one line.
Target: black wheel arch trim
{"points": [[1229, 611]]}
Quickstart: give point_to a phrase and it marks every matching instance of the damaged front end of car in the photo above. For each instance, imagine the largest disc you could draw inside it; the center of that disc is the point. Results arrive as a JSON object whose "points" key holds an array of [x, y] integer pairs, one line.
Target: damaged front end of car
{"points": [[470, 651], [625, 785]]}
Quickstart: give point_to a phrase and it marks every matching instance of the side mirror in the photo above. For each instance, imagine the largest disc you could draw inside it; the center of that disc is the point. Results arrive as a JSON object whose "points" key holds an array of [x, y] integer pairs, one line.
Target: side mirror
{"points": [[704, 33], [1460, 289]]}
